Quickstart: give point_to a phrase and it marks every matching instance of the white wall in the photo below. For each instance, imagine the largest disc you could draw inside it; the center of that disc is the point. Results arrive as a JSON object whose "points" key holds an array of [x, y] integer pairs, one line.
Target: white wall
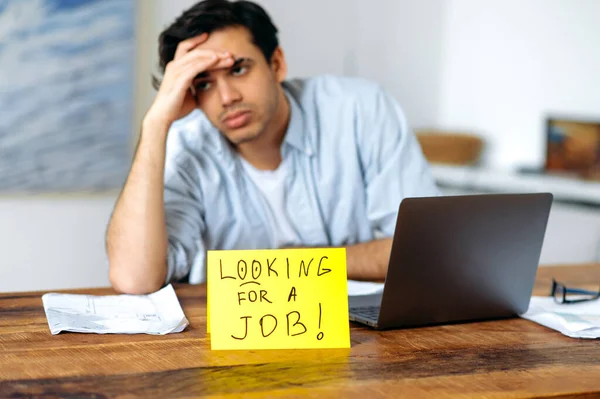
{"points": [[53, 242], [399, 44], [508, 63]]}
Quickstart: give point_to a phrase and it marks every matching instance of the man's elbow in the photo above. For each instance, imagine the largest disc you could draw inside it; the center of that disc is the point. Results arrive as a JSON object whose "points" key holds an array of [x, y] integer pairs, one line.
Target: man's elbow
{"points": [[128, 283]]}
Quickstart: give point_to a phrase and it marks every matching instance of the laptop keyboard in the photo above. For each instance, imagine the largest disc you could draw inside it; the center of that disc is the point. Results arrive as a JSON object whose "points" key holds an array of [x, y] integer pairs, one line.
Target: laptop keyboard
{"points": [[368, 312]]}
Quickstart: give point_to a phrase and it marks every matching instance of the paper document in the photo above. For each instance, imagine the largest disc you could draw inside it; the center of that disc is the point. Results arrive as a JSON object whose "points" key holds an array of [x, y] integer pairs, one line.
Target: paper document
{"points": [[156, 313], [356, 288], [576, 320]]}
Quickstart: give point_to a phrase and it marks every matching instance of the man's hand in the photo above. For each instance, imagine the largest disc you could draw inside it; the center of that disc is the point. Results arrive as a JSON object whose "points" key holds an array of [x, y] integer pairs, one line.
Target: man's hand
{"points": [[174, 99], [365, 261], [139, 216]]}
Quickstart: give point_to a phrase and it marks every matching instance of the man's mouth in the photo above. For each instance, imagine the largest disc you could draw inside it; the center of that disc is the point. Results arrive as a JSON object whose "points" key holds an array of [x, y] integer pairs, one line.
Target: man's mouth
{"points": [[237, 119]]}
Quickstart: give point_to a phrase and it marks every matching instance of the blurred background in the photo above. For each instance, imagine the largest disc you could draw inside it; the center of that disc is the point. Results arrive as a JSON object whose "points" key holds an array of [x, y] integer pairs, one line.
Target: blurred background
{"points": [[504, 96]]}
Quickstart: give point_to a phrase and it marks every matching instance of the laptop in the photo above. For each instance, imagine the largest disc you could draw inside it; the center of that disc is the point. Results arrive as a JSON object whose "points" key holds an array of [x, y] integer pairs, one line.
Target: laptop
{"points": [[459, 259]]}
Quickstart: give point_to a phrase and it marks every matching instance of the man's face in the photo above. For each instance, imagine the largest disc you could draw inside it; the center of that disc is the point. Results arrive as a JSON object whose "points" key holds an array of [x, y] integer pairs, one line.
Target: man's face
{"points": [[242, 100]]}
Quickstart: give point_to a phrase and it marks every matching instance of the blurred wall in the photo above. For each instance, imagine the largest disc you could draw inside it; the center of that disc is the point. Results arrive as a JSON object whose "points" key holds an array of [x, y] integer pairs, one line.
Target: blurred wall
{"points": [[50, 242], [508, 63]]}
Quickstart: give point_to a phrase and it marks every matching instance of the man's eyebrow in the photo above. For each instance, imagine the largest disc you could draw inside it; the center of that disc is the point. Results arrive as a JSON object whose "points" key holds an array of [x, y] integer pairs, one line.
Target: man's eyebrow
{"points": [[240, 61], [236, 63]]}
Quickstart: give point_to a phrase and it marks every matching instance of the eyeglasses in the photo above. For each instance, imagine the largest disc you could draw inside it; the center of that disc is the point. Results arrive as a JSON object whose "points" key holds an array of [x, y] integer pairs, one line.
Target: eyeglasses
{"points": [[563, 294]]}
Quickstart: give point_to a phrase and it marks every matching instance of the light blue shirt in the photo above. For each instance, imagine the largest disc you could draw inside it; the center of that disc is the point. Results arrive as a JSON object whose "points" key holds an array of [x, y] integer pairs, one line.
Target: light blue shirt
{"points": [[350, 159]]}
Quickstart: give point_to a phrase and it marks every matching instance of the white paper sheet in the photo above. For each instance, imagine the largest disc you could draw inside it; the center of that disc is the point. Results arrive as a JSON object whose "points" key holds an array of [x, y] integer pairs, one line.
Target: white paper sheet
{"points": [[157, 313], [356, 288], [576, 320]]}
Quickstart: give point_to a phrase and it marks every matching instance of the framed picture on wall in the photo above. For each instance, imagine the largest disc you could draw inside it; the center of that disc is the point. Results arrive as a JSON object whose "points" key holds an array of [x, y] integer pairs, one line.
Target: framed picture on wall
{"points": [[573, 147], [66, 94]]}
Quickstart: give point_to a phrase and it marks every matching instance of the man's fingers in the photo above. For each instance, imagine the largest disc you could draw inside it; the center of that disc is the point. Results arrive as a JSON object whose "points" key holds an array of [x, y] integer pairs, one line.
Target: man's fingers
{"points": [[200, 63], [181, 73], [187, 45], [194, 55], [176, 68], [189, 72], [221, 61], [224, 63]]}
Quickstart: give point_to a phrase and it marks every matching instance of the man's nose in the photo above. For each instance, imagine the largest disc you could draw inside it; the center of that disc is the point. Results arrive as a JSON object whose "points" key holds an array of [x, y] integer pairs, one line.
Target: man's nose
{"points": [[229, 93]]}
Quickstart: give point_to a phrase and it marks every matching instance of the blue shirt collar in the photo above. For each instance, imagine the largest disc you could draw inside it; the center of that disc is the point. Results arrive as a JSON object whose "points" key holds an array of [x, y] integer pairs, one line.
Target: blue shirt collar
{"points": [[296, 134]]}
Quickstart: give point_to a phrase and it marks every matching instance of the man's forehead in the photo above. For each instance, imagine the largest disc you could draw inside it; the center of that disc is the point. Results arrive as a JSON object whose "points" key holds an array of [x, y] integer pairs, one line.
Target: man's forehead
{"points": [[235, 39]]}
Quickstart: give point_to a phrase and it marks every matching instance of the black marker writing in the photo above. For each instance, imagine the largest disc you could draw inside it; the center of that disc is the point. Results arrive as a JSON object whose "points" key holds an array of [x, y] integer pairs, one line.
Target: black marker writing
{"points": [[263, 296], [242, 269], [252, 296], [319, 315], [224, 277], [292, 294], [256, 269], [320, 334], [246, 332], [297, 322], [270, 267], [240, 299], [305, 268], [262, 327], [250, 282], [324, 271]]}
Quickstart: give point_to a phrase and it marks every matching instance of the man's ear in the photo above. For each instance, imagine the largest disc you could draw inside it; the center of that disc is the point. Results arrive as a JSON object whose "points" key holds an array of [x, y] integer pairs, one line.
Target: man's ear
{"points": [[278, 65]]}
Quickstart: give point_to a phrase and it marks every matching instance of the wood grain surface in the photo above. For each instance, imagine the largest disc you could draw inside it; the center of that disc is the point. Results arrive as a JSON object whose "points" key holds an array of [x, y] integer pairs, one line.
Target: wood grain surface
{"points": [[493, 359]]}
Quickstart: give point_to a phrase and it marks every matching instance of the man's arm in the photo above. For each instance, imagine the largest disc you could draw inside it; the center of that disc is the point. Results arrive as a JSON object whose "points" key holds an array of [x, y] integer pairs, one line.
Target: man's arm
{"points": [[136, 241], [136, 238], [394, 168], [368, 260]]}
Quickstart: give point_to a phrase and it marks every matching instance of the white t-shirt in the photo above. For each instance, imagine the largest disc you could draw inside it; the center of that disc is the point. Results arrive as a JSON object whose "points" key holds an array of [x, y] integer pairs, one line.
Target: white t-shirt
{"points": [[271, 184]]}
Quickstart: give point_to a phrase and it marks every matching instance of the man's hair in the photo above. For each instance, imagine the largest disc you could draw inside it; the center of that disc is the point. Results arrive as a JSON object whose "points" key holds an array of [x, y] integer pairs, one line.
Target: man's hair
{"points": [[212, 15]]}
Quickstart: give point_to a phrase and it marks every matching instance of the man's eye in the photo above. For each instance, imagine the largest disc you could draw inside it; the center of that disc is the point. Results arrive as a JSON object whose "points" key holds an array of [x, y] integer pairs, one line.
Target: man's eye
{"points": [[203, 86], [240, 70]]}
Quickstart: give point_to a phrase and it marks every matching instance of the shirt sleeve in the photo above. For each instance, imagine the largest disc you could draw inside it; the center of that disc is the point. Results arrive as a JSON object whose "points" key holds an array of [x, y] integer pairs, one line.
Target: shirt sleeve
{"points": [[184, 216], [393, 163]]}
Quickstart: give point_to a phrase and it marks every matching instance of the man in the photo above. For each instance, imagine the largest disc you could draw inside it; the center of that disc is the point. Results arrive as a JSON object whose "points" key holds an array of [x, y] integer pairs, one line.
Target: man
{"points": [[232, 156]]}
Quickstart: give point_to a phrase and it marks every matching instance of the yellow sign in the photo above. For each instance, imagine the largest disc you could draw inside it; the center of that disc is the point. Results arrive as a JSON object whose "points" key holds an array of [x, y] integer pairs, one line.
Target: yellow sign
{"points": [[278, 299]]}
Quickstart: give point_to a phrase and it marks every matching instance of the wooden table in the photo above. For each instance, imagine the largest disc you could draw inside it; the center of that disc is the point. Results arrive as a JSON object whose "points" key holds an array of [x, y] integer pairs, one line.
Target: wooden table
{"points": [[508, 358]]}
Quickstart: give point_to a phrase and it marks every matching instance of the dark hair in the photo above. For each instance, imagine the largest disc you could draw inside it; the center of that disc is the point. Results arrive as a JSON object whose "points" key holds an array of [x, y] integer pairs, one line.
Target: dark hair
{"points": [[211, 15]]}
